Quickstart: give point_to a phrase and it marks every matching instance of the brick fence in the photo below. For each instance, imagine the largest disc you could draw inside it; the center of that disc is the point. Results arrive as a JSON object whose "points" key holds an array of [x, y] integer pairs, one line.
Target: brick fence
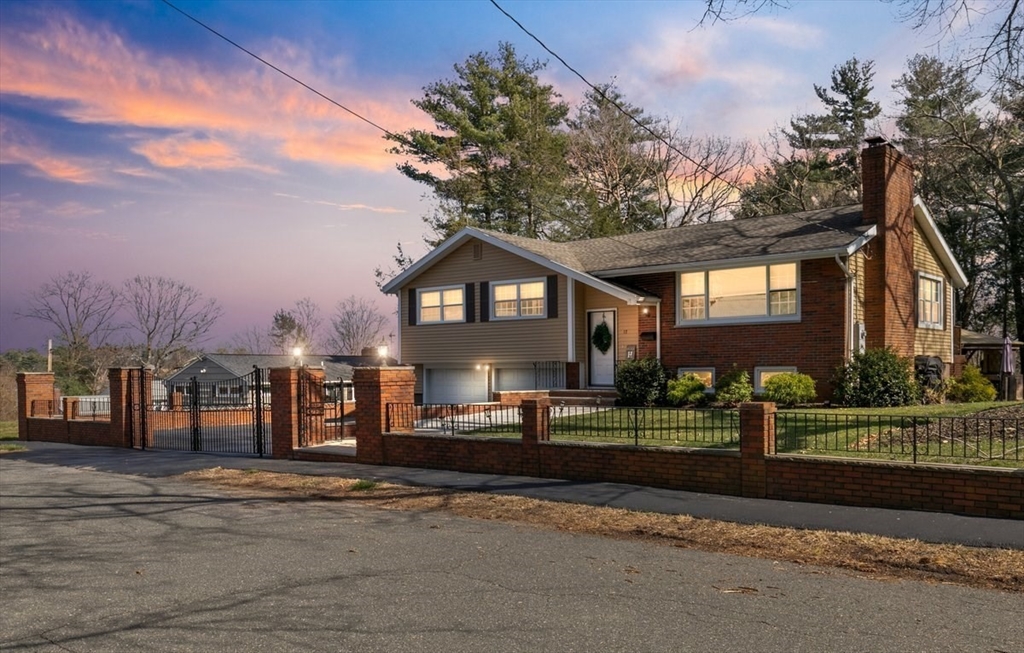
{"points": [[753, 471]]}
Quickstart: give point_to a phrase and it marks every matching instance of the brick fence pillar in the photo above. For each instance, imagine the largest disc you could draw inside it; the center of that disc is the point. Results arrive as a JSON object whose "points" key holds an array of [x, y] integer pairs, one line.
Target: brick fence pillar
{"points": [[32, 387], [536, 429], [375, 388], [284, 411], [757, 439], [572, 375], [71, 408], [120, 410]]}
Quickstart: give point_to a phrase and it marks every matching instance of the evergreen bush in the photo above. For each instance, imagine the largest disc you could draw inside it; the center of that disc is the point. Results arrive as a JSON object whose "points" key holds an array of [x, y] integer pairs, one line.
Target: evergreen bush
{"points": [[641, 382], [789, 389], [971, 387], [876, 378], [734, 387], [687, 389]]}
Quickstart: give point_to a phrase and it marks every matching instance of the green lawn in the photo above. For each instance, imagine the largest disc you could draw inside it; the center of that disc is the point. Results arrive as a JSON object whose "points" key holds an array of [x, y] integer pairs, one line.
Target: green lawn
{"points": [[8, 430], [936, 433]]}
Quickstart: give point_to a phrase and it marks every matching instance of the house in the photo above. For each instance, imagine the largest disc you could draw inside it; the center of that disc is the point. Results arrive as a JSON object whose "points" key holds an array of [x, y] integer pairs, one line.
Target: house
{"points": [[224, 379], [487, 311]]}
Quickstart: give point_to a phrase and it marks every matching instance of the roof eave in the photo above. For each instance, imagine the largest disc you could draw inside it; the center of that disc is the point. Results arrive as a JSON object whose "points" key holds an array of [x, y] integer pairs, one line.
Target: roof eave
{"points": [[934, 237], [438, 253]]}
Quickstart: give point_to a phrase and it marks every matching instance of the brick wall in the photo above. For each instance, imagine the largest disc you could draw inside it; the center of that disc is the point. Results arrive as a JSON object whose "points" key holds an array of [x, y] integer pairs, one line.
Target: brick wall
{"points": [[814, 345], [978, 491]]}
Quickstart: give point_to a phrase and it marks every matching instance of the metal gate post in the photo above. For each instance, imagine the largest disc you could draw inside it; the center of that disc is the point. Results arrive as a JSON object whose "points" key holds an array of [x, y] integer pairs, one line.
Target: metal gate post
{"points": [[194, 415], [257, 418]]}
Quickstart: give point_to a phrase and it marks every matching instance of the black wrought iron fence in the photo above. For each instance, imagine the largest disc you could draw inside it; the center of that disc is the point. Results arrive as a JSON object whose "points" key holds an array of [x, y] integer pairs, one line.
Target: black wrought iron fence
{"points": [[454, 419], [96, 409], [930, 439], [646, 426]]}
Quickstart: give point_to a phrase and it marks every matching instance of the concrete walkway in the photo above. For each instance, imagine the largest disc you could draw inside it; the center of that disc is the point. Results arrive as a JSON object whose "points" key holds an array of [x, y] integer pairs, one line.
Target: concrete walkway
{"points": [[925, 526]]}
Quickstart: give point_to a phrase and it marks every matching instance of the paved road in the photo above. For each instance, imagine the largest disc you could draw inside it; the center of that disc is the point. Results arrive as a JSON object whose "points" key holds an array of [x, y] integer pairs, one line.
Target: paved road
{"points": [[98, 561]]}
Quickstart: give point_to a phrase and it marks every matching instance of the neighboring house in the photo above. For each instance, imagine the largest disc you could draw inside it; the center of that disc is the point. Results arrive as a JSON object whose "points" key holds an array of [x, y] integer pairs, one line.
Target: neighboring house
{"points": [[224, 378], [487, 311]]}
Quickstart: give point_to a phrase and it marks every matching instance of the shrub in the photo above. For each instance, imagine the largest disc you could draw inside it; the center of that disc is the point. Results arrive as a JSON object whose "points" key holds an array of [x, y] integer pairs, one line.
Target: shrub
{"points": [[687, 389], [971, 387], [876, 378], [790, 388], [641, 382], [734, 387]]}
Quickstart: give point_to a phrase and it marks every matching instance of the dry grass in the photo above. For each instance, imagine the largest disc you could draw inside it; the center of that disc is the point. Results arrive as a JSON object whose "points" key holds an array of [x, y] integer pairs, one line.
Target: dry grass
{"points": [[869, 555]]}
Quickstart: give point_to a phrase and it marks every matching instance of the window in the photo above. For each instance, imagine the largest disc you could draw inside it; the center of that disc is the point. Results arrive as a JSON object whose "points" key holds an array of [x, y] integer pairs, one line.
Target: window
{"points": [[350, 392], [438, 305], [929, 301], [762, 374], [738, 294], [705, 374], [518, 299]]}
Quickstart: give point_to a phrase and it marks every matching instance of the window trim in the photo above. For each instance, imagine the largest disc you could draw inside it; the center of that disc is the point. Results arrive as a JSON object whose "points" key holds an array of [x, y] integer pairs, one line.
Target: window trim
{"points": [[759, 385], [492, 299], [685, 370], [441, 290], [921, 322], [746, 319]]}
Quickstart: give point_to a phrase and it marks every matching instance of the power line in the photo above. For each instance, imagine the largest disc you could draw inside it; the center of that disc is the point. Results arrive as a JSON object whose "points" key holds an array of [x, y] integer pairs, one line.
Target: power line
{"points": [[615, 104], [291, 77]]}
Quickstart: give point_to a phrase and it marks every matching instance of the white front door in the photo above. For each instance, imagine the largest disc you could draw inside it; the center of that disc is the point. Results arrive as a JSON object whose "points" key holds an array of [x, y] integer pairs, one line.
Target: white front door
{"points": [[602, 363]]}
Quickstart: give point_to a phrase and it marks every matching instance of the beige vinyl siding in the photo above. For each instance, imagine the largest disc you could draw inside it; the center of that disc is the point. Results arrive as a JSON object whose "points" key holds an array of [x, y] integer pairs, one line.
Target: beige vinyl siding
{"points": [[856, 265], [932, 342], [496, 341]]}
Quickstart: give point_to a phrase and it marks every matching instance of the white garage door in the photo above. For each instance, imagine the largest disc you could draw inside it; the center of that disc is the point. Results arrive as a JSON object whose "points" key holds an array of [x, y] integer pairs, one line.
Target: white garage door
{"points": [[444, 386], [515, 379]]}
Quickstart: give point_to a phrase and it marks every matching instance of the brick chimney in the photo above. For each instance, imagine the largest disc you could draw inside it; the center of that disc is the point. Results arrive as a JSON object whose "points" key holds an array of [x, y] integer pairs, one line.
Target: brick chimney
{"points": [[890, 286]]}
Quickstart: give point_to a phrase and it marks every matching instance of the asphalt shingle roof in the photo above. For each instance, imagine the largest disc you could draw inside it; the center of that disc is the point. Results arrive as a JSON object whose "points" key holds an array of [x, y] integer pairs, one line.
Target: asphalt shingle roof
{"points": [[791, 233]]}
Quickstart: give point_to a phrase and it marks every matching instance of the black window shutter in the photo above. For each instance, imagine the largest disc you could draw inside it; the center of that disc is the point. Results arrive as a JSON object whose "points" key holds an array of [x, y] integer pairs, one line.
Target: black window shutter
{"points": [[553, 296], [470, 303], [412, 307], [485, 301]]}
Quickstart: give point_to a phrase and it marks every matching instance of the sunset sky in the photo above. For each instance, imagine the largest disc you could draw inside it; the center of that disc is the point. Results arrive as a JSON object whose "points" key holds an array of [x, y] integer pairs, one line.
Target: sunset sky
{"points": [[133, 141]]}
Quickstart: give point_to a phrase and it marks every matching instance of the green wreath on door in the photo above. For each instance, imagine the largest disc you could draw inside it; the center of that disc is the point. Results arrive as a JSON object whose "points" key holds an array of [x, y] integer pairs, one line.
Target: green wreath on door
{"points": [[602, 337]]}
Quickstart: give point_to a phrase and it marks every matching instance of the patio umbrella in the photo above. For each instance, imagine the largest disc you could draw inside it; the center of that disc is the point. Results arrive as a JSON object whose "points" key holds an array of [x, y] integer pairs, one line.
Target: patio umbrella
{"points": [[1007, 356]]}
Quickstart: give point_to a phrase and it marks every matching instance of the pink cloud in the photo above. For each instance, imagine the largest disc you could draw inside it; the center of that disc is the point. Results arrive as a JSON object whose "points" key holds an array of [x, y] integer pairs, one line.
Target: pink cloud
{"points": [[103, 79], [19, 148], [27, 216]]}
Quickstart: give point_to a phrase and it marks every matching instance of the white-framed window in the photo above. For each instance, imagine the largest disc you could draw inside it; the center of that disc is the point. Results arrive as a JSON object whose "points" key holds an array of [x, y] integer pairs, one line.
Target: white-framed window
{"points": [[349, 393], [762, 374], [930, 304], [440, 305], [229, 390], [744, 294], [511, 300], [705, 374]]}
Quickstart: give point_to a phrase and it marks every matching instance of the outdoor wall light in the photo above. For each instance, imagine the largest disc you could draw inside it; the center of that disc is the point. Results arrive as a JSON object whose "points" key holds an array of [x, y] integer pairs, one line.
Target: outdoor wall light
{"points": [[646, 311], [297, 353]]}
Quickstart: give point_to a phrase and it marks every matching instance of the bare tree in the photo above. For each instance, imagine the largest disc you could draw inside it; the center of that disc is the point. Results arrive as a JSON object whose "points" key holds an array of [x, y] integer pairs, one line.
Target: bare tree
{"points": [[83, 313], [168, 315], [357, 323], [702, 186], [254, 340], [298, 327], [993, 30]]}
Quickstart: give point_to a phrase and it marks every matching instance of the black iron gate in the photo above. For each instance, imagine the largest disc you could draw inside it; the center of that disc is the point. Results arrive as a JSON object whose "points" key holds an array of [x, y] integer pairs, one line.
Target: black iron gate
{"points": [[224, 416], [312, 413]]}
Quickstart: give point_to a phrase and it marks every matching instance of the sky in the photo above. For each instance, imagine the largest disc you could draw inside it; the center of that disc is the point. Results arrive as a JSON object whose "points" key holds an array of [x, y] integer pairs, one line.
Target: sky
{"points": [[135, 142]]}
